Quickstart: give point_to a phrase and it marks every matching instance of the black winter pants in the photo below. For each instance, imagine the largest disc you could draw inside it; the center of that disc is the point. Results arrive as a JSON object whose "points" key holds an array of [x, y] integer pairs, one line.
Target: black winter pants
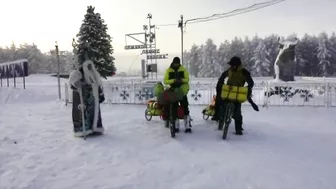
{"points": [[185, 104]]}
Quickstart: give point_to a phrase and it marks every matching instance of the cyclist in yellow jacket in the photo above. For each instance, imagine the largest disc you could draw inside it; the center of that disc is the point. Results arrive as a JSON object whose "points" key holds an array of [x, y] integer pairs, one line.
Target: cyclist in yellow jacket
{"points": [[237, 76], [177, 76]]}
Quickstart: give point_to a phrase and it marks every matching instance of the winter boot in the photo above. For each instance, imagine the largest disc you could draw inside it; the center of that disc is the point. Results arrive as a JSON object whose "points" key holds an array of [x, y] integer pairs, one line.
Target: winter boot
{"points": [[239, 132], [187, 124], [177, 126], [238, 127]]}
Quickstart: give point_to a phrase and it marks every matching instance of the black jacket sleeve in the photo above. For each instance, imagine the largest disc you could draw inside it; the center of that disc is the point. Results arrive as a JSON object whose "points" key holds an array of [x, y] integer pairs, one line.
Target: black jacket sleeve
{"points": [[249, 80], [221, 81]]}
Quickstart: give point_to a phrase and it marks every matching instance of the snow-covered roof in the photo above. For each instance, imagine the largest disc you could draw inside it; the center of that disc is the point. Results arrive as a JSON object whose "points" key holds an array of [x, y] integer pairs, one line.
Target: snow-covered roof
{"points": [[13, 62]]}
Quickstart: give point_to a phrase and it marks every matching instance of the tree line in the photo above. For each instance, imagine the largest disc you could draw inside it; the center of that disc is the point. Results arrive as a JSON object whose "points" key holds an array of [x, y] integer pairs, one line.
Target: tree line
{"points": [[38, 62], [315, 55]]}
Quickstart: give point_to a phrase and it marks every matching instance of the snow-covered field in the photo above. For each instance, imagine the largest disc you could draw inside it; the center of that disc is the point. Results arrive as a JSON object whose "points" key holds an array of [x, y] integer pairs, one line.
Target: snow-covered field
{"points": [[282, 148]]}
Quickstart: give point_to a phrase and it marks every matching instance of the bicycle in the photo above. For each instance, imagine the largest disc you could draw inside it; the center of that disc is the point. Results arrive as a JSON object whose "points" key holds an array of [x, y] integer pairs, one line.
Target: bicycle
{"points": [[230, 95], [226, 113], [171, 98], [171, 121]]}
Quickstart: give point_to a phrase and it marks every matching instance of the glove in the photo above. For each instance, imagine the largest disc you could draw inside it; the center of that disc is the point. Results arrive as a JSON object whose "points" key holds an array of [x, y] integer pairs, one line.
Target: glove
{"points": [[178, 81], [249, 92], [101, 99]]}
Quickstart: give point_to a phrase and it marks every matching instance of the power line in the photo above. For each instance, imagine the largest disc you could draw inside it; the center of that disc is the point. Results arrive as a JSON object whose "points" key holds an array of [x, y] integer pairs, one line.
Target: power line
{"points": [[229, 14], [235, 12]]}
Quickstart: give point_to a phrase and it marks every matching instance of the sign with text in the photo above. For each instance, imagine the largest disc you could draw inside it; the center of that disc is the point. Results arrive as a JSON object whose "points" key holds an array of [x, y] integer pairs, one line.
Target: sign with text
{"points": [[157, 56], [132, 47], [151, 68], [151, 51]]}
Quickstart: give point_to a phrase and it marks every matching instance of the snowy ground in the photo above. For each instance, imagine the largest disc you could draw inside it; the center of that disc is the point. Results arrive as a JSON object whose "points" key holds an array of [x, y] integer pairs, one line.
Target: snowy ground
{"points": [[283, 148]]}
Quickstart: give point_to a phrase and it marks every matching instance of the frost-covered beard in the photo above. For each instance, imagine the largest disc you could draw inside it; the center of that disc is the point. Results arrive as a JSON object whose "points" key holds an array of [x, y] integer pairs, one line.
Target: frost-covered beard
{"points": [[91, 75]]}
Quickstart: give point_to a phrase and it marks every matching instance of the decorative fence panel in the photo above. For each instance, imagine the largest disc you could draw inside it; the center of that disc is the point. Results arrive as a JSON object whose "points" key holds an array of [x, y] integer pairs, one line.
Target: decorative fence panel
{"points": [[290, 94]]}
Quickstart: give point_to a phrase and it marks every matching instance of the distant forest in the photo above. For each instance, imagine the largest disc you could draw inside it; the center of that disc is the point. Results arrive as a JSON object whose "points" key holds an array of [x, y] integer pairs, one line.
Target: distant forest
{"points": [[315, 55], [38, 62]]}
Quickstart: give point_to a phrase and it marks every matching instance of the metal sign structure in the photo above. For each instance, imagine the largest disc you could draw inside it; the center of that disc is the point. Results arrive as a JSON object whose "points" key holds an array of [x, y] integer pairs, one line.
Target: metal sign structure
{"points": [[133, 47], [148, 44], [151, 51], [157, 56]]}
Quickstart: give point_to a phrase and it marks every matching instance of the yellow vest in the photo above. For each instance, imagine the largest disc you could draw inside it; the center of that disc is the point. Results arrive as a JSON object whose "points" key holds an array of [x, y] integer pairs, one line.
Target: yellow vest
{"points": [[236, 78]]}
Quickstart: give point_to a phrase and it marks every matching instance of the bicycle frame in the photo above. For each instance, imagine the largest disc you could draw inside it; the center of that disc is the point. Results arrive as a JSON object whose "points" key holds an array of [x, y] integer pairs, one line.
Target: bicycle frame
{"points": [[226, 113], [172, 114]]}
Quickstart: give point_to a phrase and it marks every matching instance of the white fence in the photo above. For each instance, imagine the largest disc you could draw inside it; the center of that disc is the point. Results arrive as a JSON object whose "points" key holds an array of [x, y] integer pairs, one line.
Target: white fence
{"points": [[294, 94]]}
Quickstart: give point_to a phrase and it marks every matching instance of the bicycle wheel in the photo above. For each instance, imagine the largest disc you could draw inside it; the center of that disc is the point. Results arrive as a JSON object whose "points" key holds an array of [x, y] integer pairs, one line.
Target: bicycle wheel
{"points": [[221, 117], [227, 119], [148, 115], [171, 121], [205, 117]]}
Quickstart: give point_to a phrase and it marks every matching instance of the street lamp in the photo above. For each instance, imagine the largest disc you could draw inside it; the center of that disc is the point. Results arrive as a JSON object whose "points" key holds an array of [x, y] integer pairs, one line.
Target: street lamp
{"points": [[58, 71]]}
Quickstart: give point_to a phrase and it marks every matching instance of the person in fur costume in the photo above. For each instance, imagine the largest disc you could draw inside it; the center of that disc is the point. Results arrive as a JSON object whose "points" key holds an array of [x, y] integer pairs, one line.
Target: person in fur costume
{"points": [[86, 78]]}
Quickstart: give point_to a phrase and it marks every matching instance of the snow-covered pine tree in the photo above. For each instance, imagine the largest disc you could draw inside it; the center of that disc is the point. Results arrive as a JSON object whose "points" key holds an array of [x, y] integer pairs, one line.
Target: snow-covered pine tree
{"points": [[307, 60], [302, 57], [186, 59], [323, 54], [247, 53], [69, 62], [93, 36], [36, 60], [195, 60], [261, 65], [210, 67], [223, 57], [332, 48], [272, 46], [236, 48]]}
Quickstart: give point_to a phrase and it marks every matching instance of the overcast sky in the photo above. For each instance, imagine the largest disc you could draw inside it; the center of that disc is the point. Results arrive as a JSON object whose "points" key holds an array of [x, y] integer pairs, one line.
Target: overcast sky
{"points": [[45, 21]]}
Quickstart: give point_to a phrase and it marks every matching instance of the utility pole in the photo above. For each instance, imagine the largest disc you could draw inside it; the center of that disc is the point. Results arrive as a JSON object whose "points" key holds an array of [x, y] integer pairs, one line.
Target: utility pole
{"points": [[149, 65], [149, 17], [180, 25], [58, 71]]}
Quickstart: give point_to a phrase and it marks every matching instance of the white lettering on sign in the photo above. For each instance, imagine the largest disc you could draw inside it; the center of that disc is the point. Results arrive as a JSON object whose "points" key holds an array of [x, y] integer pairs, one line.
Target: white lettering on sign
{"points": [[158, 56], [131, 47], [151, 51]]}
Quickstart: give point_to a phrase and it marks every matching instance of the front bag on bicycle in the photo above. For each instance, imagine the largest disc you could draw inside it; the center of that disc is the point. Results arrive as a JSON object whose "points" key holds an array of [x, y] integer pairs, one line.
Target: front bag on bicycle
{"points": [[170, 96], [234, 93]]}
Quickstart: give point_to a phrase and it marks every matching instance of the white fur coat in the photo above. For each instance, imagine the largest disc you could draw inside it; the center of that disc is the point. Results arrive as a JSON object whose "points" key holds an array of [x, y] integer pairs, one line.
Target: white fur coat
{"points": [[92, 78]]}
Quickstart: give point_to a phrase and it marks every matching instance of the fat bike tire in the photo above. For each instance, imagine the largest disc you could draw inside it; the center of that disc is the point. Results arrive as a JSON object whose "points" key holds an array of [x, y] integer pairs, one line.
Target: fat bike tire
{"points": [[172, 128], [227, 120]]}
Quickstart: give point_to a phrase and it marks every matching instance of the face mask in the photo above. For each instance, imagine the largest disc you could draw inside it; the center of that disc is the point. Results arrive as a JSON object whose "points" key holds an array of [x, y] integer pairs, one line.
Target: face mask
{"points": [[175, 65]]}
